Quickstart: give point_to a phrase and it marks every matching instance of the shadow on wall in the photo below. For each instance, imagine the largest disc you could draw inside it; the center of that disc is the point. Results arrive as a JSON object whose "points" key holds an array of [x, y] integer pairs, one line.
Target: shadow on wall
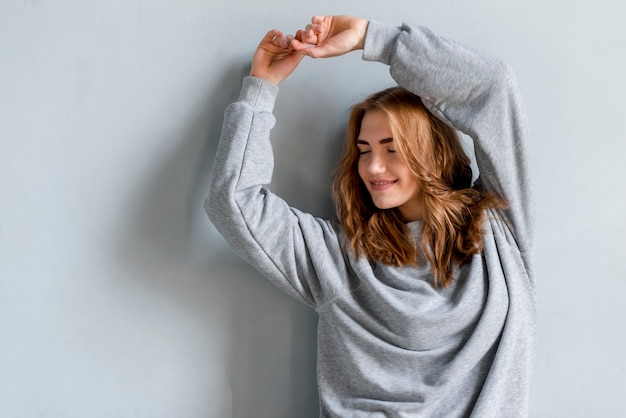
{"points": [[263, 342]]}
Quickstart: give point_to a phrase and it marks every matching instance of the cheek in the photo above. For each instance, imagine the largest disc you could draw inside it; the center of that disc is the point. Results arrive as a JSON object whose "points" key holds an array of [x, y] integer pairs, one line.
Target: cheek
{"points": [[400, 168], [415, 186], [406, 173], [360, 169]]}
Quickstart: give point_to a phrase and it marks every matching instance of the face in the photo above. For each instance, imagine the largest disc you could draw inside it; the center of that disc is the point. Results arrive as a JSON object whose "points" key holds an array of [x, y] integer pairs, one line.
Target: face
{"points": [[387, 178]]}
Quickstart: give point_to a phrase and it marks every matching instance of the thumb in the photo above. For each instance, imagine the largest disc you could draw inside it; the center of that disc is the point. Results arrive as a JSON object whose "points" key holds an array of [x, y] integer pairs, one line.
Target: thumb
{"points": [[313, 51]]}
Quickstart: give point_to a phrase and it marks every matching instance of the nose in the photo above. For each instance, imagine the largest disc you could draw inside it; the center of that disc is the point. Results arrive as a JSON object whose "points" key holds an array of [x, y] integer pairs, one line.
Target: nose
{"points": [[376, 164]]}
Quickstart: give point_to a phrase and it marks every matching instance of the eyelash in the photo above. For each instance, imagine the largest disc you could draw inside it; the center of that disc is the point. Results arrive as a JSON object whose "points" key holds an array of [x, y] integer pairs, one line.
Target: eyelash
{"points": [[391, 151]]}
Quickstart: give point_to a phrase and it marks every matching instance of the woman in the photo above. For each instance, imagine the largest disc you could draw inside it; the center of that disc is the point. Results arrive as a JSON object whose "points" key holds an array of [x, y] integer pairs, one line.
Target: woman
{"points": [[424, 290]]}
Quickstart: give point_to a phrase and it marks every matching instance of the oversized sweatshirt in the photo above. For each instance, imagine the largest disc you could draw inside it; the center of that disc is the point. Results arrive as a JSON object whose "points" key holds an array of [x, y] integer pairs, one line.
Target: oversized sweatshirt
{"points": [[390, 343]]}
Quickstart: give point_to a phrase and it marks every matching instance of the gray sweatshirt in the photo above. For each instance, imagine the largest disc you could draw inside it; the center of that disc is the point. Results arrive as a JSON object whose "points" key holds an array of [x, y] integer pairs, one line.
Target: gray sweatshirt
{"points": [[390, 343]]}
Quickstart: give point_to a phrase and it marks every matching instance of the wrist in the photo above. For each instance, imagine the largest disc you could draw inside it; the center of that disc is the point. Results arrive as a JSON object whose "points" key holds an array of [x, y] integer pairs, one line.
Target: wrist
{"points": [[265, 77], [361, 28]]}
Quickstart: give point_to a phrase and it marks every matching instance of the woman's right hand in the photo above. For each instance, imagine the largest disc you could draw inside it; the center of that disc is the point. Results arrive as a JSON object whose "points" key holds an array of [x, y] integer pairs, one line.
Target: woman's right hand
{"points": [[331, 36], [274, 60]]}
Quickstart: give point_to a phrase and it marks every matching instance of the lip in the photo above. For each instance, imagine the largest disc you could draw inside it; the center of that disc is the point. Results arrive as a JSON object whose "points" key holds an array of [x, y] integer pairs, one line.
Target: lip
{"points": [[381, 185]]}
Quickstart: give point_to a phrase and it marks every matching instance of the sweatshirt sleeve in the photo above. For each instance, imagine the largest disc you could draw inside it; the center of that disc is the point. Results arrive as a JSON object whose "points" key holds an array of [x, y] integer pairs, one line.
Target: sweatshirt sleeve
{"points": [[299, 253], [475, 94]]}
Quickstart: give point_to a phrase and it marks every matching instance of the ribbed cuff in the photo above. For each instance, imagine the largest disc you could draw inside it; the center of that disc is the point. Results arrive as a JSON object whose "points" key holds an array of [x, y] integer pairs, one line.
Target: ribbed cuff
{"points": [[379, 40], [260, 94]]}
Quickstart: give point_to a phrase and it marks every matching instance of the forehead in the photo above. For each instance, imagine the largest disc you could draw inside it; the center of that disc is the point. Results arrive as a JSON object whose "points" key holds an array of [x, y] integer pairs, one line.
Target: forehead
{"points": [[375, 126]]}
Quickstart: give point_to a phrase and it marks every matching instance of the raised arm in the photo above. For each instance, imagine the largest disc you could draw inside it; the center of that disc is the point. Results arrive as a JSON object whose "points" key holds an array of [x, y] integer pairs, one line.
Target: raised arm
{"points": [[466, 88], [297, 252], [477, 95]]}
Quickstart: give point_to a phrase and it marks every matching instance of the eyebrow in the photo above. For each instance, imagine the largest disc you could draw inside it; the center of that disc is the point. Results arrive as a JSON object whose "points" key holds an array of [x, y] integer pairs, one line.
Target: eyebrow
{"points": [[382, 141]]}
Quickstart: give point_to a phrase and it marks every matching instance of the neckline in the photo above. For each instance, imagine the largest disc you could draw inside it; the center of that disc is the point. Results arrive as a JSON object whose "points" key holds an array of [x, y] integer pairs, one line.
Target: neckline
{"points": [[415, 227]]}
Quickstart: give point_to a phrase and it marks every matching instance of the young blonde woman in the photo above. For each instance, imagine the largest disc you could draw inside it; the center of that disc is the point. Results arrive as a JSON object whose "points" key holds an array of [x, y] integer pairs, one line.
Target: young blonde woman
{"points": [[424, 288]]}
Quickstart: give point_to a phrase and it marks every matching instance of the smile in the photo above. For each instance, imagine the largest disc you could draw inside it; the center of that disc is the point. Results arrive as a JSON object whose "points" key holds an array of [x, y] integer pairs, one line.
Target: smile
{"points": [[380, 185]]}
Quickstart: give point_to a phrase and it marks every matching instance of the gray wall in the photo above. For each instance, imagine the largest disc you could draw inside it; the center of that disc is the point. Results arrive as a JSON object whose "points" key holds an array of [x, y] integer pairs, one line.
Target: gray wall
{"points": [[117, 296]]}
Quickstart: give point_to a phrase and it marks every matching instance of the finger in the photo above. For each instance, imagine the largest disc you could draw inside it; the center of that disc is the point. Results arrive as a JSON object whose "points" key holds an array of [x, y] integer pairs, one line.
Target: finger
{"points": [[271, 35], [309, 37], [298, 45], [287, 41], [314, 28], [280, 41], [309, 50]]}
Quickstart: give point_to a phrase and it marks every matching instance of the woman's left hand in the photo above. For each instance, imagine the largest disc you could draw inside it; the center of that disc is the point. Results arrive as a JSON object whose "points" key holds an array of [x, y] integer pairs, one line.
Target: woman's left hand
{"points": [[331, 36]]}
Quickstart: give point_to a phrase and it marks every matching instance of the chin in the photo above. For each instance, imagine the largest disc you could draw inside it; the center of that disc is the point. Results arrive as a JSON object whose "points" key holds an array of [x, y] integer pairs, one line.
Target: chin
{"points": [[385, 206]]}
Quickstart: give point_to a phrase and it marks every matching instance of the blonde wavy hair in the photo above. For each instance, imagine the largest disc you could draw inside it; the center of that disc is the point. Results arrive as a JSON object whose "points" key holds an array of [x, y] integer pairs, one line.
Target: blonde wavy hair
{"points": [[452, 210]]}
